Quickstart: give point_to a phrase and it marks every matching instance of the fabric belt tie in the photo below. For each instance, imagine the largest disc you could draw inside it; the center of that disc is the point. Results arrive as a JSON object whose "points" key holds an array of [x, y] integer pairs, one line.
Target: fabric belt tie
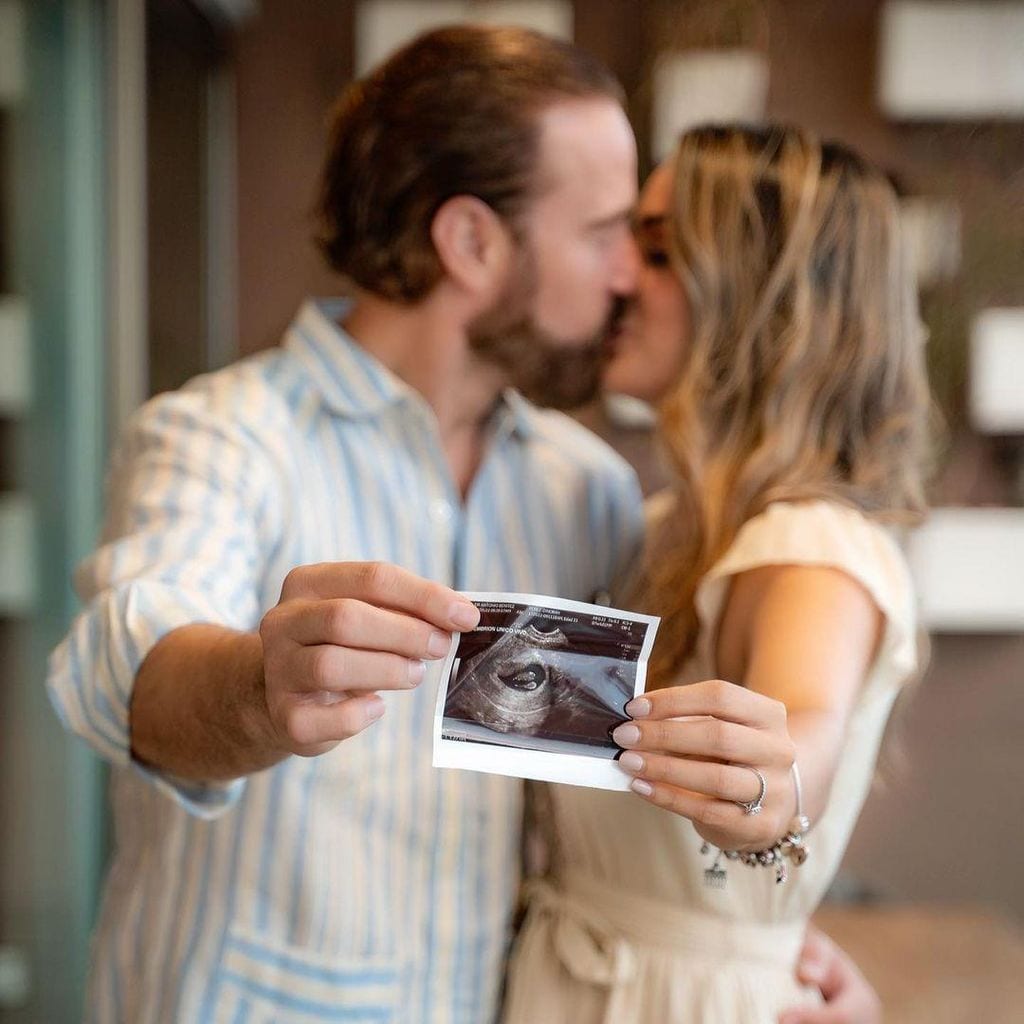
{"points": [[598, 933]]}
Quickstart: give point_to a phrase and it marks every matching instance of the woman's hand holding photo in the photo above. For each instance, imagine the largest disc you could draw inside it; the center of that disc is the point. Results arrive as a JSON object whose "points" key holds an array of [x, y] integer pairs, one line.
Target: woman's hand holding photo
{"points": [[702, 750]]}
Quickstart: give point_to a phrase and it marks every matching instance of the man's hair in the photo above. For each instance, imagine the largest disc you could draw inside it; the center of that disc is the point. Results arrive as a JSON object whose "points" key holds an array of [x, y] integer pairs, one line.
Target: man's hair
{"points": [[455, 112]]}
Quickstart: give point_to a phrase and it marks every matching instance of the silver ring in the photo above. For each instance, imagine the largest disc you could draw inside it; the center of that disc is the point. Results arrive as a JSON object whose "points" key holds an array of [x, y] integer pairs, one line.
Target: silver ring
{"points": [[753, 806]]}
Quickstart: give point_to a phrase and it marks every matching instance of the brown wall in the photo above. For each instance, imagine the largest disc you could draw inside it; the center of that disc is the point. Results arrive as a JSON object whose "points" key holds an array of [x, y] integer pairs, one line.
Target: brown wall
{"points": [[946, 827], [291, 63]]}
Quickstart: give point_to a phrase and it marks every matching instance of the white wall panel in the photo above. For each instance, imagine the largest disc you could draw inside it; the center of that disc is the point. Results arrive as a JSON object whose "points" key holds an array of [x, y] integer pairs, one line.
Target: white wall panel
{"points": [[948, 61], [968, 566], [997, 371]]}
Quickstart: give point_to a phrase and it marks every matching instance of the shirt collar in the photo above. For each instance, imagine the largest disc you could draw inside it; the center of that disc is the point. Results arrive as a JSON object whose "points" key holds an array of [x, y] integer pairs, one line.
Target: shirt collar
{"points": [[356, 384], [522, 415], [351, 381]]}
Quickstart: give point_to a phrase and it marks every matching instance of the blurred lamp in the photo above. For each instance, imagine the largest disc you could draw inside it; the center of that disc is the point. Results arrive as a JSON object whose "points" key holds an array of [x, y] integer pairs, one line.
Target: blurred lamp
{"points": [[382, 26], [694, 87], [931, 230]]}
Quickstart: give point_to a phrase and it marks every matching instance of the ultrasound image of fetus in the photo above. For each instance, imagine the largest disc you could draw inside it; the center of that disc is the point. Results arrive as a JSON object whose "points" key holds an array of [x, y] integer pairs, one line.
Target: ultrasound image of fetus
{"points": [[526, 683], [511, 686]]}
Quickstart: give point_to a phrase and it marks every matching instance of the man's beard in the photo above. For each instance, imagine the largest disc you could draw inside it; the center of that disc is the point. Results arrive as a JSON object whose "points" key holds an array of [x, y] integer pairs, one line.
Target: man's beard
{"points": [[550, 372]]}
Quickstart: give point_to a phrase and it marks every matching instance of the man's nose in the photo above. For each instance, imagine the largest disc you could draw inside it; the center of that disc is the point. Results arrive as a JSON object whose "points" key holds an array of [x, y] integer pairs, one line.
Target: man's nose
{"points": [[626, 269]]}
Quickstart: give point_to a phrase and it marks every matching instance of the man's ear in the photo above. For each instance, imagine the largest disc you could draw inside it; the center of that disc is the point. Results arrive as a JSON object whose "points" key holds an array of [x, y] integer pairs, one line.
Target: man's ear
{"points": [[472, 242]]}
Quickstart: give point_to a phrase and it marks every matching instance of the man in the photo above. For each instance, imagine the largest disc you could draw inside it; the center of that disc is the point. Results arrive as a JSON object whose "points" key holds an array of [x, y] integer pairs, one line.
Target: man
{"points": [[476, 196]]}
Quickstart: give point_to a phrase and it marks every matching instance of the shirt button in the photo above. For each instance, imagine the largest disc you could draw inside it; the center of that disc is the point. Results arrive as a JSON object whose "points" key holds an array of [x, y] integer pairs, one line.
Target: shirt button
{"points": [[441, 511]]}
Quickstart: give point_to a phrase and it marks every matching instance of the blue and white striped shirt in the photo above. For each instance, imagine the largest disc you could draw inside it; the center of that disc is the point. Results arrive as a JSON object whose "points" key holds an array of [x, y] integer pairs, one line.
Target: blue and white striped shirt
{"points": [[362, 885]]}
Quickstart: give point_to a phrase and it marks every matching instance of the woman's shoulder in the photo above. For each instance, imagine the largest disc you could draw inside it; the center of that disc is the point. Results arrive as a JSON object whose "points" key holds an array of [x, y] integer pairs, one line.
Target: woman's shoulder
{"points": [[816, 531], [826, 534], [811, 531]]}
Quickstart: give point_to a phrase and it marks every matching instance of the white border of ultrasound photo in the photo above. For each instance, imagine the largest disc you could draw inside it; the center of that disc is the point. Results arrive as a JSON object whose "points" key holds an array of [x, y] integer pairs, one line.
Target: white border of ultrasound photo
{"points": [[520, 762]]}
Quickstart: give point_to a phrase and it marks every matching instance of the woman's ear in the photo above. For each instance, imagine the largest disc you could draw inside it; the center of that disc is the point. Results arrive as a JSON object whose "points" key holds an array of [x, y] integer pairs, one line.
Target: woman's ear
{"points": [[472, 242]]}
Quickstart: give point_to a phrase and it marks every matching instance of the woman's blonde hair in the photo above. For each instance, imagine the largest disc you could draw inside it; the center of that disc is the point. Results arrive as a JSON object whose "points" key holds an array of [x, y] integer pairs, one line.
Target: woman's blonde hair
{"points": [[803, 375]]}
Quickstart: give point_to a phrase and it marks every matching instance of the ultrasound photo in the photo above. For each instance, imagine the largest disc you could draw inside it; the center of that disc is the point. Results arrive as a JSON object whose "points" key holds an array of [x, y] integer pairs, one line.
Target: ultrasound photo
{"points": [[537, 688]]}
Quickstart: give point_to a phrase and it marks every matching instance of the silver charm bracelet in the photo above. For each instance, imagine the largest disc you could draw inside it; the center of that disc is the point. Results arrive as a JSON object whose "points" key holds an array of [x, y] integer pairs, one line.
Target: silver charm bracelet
{"points": [[789, 848]]}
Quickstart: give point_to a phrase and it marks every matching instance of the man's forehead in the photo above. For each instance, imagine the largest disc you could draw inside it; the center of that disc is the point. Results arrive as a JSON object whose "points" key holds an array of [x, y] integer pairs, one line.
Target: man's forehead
{"points": [[589, 140], [576, 113]]}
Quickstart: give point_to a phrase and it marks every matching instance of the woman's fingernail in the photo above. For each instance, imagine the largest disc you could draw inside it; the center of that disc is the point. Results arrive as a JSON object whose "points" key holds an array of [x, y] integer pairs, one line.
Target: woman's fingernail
{"points": [[417, 670], [463, 616], [375, 710], [638, 707], [437, 644], [626, 735], [632, 762], [641, 787]]}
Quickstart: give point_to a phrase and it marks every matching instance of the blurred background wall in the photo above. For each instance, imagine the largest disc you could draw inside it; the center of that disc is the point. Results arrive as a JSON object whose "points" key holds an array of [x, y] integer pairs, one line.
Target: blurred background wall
{"points": [[158, 166]]}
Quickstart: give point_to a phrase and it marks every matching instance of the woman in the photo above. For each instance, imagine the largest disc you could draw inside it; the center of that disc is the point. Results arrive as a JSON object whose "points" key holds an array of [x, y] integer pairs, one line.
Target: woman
{"points": [[776, 329]]}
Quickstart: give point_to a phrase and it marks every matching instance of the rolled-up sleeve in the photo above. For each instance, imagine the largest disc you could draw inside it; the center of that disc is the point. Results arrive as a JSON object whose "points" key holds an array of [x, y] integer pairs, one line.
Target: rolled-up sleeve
{"points": [[188, 530]]}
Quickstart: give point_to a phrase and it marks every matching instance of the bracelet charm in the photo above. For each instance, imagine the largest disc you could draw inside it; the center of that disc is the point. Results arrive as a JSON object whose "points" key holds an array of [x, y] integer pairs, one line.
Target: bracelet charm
{"points": [[790, 848]]}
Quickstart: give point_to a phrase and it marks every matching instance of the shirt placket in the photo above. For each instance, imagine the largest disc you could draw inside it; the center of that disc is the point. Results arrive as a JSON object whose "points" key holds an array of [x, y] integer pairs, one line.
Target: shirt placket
{"points": [[453, 519]]}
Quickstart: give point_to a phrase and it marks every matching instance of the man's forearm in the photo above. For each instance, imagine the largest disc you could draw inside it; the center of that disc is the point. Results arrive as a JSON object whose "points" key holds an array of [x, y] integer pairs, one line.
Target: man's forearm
{"points": [[211, 704], [198, 709]]}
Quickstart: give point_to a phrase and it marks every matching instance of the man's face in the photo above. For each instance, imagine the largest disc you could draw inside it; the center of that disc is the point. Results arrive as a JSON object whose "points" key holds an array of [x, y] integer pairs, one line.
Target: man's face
{"points": [[576, 260]]}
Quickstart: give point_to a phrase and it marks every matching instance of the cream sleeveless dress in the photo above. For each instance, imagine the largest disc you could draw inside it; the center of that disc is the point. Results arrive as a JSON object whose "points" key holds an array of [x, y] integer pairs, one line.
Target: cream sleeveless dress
{"points": [[623, 927]]}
